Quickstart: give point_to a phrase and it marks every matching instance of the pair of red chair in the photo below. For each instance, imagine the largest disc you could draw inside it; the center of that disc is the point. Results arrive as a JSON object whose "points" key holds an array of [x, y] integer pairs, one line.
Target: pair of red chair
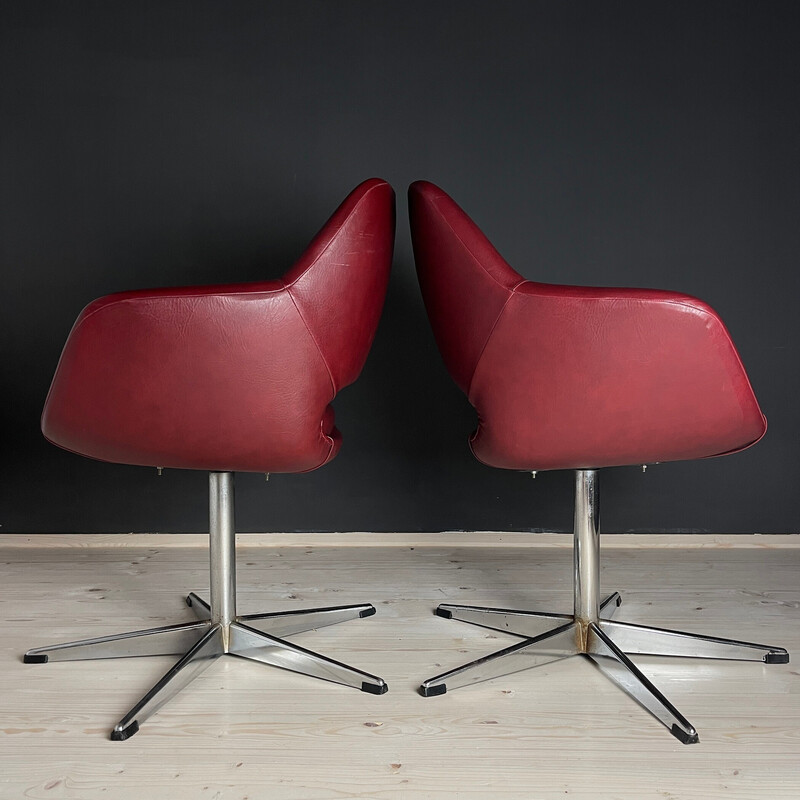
{"points": [[241, 377]]}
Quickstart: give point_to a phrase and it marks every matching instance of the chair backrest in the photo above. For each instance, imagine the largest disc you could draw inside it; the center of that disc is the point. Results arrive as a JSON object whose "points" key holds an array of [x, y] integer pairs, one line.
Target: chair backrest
{"points": [[339, 283], [575, 377], [465, 282]]}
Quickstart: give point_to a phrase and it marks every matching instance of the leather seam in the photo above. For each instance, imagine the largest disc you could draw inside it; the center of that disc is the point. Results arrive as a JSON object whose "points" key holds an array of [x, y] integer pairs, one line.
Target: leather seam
{"points": [[476, 259], [123, 300], [488, 339], [328, 457], [288, 289]]}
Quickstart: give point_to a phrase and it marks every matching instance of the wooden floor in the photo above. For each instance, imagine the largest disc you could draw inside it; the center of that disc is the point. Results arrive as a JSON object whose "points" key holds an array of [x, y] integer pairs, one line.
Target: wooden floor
{"points": [[244, 731]]}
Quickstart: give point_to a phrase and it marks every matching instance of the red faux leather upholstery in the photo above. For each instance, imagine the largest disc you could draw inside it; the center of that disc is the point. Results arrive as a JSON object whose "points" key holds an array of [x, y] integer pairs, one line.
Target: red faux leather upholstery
{"points": [[572, 377], [229, 378]]}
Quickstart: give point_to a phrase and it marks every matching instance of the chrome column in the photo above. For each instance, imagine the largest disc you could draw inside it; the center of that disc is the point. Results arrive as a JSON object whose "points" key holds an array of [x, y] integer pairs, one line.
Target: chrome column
{"points": [[587, 549], [222, 554]]}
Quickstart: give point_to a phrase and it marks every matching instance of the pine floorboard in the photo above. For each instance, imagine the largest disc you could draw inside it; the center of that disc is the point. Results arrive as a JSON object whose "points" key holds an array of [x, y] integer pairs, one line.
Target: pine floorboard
{"points": [[244, 731]]}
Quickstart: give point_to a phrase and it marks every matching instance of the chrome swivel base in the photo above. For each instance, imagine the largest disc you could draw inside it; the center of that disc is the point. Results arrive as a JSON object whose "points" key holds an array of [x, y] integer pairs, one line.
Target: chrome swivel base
{"points": [[219, 631], [590, 631]]}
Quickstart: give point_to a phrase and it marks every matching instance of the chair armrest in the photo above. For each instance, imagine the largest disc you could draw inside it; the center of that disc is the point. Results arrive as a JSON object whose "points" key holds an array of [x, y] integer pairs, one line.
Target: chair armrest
{"points": [[218, 377], [579, 377]]}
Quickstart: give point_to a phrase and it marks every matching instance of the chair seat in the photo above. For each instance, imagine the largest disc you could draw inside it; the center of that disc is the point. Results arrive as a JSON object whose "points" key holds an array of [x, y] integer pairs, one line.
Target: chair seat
{"points": [[580, 378], [235, 377], [212, 378]]}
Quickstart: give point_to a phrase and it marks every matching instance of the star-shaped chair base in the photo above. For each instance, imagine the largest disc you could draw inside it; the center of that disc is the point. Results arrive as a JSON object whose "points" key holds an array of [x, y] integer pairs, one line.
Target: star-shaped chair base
{"points": [[218, 631], [253, 636], [590, 631], [551, 637]]}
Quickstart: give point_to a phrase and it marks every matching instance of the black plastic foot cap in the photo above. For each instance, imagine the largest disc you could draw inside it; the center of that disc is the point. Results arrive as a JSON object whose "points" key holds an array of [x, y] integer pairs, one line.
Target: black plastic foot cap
{"points": [[433, 691], [443, 612], [189, 600], [125, 733], [776, 658], [41, 658], [367, 612], [684, 736], [374, 688]]}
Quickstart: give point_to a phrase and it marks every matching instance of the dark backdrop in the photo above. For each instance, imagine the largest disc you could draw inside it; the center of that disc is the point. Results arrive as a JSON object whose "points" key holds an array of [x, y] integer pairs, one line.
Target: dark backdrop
{"points": [[649, 144]]}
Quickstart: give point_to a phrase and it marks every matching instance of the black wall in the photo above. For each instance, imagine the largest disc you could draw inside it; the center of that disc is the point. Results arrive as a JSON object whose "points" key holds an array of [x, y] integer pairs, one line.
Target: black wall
{"points": [[649, 144]]}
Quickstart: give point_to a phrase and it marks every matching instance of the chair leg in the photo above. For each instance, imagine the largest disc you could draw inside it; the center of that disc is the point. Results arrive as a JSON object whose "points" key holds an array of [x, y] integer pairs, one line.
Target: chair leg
{"points": [[609, 606], [201, 608], [521, 623], [622, 671], [196, 660], [257, 646], [645, 640], [551, 646], [166, 640], [286, 623]]}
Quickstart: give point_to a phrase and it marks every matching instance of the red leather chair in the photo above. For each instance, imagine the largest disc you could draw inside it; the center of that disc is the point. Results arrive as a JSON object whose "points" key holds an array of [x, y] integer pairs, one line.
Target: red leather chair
{"points": [[226, 378], [572, 377]]}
